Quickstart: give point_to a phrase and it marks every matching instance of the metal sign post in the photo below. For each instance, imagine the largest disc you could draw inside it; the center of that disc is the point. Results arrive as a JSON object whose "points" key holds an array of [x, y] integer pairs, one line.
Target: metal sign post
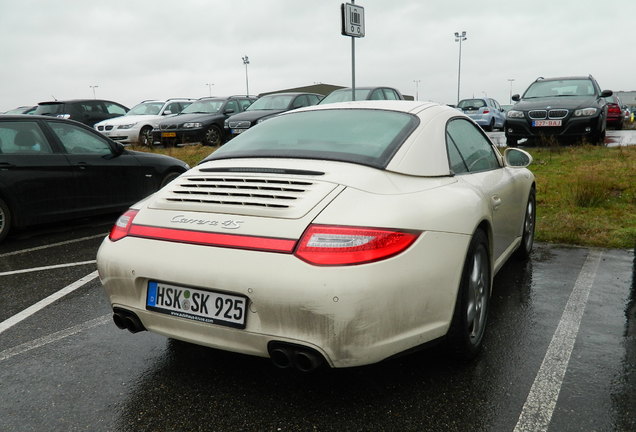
{"points": [[352, 25]]}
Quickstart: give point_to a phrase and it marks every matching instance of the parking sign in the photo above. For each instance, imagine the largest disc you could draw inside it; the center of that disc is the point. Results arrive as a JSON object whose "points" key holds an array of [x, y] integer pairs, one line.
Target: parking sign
{"points": [[352, 20]]}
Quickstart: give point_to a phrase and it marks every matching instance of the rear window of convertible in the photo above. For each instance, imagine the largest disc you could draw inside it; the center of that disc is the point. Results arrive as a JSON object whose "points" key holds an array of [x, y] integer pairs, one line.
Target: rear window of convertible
{"points": [[361, 136]]}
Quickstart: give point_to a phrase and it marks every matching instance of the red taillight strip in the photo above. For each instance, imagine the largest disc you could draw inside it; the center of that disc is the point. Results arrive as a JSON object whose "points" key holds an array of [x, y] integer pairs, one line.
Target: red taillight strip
{"points": [[213, 239]]}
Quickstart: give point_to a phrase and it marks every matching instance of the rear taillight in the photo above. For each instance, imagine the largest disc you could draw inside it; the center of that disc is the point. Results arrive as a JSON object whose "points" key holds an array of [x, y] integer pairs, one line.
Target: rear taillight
{"points": [[486, 111], [330, 245], [122, 226]]}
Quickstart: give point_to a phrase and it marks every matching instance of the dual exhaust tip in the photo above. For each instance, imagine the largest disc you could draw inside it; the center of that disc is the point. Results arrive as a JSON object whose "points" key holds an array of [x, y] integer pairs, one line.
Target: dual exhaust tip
{"points": [[285, 355], [127, 320]]}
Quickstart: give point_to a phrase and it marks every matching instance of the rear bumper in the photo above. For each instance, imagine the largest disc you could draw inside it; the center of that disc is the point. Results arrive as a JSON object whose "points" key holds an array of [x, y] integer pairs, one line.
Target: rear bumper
{"points": [[352, 315]]}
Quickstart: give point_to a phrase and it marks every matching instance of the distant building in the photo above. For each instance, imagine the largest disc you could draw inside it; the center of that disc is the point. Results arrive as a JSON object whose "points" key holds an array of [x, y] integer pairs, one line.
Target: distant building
{"points": [[627, 97]]}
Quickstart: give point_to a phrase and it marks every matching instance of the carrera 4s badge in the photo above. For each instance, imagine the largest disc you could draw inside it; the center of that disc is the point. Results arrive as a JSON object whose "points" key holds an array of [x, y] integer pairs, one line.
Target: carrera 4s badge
{"points": [[227, 224]]}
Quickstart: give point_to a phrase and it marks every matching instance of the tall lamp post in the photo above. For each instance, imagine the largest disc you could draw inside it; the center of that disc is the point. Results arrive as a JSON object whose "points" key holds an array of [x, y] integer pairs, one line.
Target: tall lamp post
{"points": [[459, 37], [417, 89], [246, 61], [510, 80], [94, 87], [209, 87]]}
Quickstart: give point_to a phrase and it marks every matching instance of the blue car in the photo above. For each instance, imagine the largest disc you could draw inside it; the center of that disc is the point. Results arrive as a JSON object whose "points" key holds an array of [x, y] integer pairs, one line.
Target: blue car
{"points": [[486, 112]]}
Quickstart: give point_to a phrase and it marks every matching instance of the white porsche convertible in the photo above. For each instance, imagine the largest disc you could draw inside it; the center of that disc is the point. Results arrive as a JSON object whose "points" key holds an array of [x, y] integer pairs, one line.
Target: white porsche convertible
{"points": [[341, 234]]}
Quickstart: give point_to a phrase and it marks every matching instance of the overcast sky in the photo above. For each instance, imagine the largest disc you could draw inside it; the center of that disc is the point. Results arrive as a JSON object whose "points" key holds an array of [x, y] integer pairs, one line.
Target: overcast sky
{"points": [[145, 49]]}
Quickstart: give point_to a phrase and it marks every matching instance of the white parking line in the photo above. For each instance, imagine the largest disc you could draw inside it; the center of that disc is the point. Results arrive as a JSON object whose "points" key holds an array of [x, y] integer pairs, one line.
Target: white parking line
{"points": [[53, 337], [15, 319], [52, 245], [34, 269], [539, 407]]}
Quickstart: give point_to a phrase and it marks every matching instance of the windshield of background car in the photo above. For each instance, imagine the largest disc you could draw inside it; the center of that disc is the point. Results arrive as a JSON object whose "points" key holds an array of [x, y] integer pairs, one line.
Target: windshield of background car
{"points": [[271, 103], [361, 136], [345, 96], [472, 103], [146, 108], [203, 107], [571, 87], [48, 109]]}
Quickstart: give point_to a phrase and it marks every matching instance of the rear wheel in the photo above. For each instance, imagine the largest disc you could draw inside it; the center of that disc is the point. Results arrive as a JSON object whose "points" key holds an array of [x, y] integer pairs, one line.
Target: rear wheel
{"points": [[527, 238], [467, 329], [491, 126], [5, 219]]}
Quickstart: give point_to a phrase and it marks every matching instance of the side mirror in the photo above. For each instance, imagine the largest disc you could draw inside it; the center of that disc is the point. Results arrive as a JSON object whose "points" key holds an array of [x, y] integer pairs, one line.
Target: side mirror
{"points": [[167, 112], [229, 111], [606, 93], [517, 158], [516, 97], [118, 148]]}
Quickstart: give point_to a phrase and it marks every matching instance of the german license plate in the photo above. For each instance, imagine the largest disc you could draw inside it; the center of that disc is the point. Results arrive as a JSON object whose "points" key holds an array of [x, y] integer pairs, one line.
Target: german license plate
{"points": [[168, 134], [546, 123], [196, 304], [238, 131]]}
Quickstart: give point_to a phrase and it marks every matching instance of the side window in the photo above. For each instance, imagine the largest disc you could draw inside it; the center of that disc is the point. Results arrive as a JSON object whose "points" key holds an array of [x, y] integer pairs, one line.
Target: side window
{"points": [[174, 108], [231, 105], [475, 150], [79, 141], [377, 95], [313, 99], [114, 108], [91, 107], [300, 101], [456, 161], [390, 94], [244, 103], [22, 138]]}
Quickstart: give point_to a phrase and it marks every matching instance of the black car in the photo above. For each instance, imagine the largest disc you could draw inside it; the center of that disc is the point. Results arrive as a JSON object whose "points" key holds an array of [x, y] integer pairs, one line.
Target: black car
{"points": [[202, 121], [87, 111], [567, 107], [53, 169], [268, 106]]}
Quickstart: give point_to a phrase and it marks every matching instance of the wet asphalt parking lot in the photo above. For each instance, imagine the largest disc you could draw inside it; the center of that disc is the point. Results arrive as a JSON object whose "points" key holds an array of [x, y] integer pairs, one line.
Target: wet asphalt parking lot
{"points": [[560, 355]]}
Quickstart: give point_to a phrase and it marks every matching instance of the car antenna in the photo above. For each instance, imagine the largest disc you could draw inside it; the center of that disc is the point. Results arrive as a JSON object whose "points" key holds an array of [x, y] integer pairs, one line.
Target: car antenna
{"points": [[54, 98]]}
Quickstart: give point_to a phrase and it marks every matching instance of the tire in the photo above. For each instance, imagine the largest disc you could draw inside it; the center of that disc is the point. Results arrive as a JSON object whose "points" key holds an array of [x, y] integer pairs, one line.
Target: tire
{"points": [[212, 136], [527, 238], [5, 220], [466, 333], [145, 136], [491, 126], [168, 178]]}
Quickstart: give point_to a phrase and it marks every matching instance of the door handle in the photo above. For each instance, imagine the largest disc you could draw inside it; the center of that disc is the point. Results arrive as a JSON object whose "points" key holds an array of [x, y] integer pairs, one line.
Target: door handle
{"points": [[495, 201]]}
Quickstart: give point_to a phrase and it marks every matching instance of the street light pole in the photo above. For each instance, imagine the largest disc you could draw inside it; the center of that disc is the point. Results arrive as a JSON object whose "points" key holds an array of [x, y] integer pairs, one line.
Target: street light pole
{"points": [[94, 87], [459, 38], [417, 89], [209, 87], [510, 80], [246, 61]]}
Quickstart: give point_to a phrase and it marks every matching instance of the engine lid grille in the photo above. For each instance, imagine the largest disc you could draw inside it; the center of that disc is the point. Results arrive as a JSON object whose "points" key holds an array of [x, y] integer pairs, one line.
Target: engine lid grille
{"points": [[243, 194]]}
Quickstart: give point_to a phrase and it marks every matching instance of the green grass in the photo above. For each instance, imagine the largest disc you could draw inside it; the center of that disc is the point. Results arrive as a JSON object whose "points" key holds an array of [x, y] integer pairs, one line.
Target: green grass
{"points": [[586, 195]]}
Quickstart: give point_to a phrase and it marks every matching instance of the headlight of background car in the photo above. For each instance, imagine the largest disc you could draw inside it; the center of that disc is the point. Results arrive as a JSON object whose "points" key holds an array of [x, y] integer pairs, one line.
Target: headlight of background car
{"points": [[515, 114], [585, 112], [192, 125], [126, 126]]}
